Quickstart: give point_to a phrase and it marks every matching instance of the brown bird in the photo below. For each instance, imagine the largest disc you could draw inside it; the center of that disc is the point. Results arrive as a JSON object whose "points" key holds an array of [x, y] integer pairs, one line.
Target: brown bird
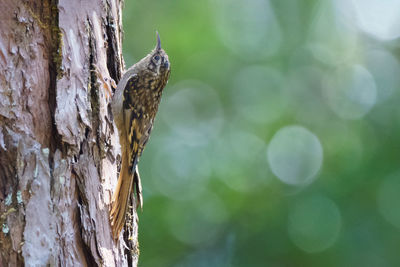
{"points": [[134, 106]]}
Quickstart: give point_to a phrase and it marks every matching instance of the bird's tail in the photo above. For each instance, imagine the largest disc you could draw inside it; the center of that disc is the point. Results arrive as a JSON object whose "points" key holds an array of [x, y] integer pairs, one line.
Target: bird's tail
{"points": [[138, 186], [121, 196]]}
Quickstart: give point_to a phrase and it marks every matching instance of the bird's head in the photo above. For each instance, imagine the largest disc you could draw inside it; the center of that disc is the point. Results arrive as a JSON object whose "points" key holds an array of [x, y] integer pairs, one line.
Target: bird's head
{"points": [[157, 61]]}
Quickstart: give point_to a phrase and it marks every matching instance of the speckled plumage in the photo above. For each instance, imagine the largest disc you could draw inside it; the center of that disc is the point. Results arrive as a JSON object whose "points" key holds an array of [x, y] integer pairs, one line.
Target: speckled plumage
{"points": [[135, 104], [142, 96]]}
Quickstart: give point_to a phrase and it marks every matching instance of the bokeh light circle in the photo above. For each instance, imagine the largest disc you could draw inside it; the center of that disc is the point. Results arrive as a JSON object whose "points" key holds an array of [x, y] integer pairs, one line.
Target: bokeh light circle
{"points": [[250, 30], [180, 171], [388, 199], [314, 223], [385, 69], [340, 43], [258, 94], [304, 85], [350, 91], [193, 112], [379, 18], [295, 155], [240, 158]]}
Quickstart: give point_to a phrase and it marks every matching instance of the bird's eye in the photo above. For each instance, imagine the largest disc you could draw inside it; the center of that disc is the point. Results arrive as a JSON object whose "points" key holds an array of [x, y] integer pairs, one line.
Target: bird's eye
{"points": [[157, 58]]}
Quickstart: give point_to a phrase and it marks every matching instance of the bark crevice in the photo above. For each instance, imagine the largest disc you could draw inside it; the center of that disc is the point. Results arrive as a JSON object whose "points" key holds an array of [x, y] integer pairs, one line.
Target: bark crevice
{"points": [[54, 42], [113, 61], [90, 259]]}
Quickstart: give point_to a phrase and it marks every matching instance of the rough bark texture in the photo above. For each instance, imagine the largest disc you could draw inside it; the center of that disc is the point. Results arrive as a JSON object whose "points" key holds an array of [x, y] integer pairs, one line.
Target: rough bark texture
{"points": [[59, 151]]}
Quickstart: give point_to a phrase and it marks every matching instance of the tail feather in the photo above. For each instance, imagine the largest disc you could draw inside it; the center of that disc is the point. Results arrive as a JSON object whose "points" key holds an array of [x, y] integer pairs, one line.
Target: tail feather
{"points": [[138, 186], [121, 197], [120, 202]]}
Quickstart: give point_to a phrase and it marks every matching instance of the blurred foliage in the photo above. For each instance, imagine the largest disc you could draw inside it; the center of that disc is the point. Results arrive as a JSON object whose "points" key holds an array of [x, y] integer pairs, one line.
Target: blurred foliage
{"points": [[277, 139]]}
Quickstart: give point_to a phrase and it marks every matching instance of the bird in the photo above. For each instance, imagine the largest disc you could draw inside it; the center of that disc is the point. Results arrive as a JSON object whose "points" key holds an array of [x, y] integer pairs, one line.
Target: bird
{"points": [[134, 107]]}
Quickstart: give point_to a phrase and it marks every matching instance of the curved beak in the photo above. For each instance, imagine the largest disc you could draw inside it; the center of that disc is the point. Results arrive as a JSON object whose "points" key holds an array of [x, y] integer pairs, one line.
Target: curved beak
{"points": [[158, 46]]}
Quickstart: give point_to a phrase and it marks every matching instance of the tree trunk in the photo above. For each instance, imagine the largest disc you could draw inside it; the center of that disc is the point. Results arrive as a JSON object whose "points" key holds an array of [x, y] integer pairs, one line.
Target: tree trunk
{"points": [[59, 149]]}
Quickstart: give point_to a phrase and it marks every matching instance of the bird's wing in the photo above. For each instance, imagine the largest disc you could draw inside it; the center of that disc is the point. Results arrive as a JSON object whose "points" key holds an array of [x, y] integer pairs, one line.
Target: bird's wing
{"points": [[138, 124]]}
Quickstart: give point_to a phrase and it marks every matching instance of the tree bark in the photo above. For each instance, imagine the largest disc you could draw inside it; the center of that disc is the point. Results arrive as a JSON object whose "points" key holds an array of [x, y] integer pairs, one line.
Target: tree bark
{"points": [[59, 150]]}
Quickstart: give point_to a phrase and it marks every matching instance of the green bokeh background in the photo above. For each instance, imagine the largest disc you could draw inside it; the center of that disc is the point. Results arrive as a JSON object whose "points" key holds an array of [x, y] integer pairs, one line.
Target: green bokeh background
{"points": [[301, 75]]}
